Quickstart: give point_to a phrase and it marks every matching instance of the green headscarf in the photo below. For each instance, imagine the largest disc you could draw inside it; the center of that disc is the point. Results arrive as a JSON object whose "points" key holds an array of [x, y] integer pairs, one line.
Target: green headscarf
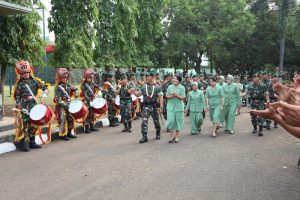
{"points": [[231, 78]]}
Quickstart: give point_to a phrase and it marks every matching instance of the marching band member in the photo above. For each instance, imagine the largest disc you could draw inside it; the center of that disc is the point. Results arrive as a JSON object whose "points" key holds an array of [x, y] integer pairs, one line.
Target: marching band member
{"points": [[63, 92], [25, 95], [125, 91], [109, 87], [88, 91]]}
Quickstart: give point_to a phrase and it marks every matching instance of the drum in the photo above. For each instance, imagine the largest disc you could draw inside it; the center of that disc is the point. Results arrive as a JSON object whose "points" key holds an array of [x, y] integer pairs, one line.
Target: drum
{"points": [[134, 100], [40, 115], [99, 106], [117, 103], [78, 109]]}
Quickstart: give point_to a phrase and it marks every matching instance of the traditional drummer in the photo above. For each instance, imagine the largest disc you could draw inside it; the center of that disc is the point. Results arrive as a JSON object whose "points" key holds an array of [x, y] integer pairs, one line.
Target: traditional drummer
{"points": [[25, 95], [89, 91], [153, 104], [109, 87], [63, 92]]}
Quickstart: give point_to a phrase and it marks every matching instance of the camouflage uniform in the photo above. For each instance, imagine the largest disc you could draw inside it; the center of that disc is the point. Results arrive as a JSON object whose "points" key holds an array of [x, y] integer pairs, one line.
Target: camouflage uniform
{"points": [[150, 105], [257, 94], [126, 107], [24, 100], [62, 101], [268, 84], [164, 89], [89, 90]]}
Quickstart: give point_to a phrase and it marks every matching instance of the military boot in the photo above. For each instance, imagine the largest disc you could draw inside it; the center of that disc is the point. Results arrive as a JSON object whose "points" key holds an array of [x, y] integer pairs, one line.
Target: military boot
{"points": [[86, 128], [112, 123], [275, 125], [129, 127], [70, 135], [157, 134], [32, 144], [260, 132], [267, 126], [125, 127], [254, 129], [23, 146], [144, 139], [92, 127]]}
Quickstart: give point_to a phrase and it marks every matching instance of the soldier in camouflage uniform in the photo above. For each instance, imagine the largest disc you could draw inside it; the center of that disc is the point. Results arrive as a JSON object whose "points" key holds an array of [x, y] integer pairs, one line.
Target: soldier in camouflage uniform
{"points": [[88, 93], [187, 84], [272, 95], [152, 95], [63, 92], [267, 82], [109, 87], [133, 84], [25, 94], [164, 89], [125, 92], [258, 93]]}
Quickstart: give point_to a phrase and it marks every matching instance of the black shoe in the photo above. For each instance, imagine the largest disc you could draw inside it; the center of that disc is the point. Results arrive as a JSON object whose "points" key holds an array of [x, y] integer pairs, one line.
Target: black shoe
{"points": [[267, 127], [143, 140], [157, 135], [260, 132], [64, 138], [86, 128], [112, 123], [92, 128], [70, 135], [254, 129], [275, 125], [129, 127], [299, 163], [125, 128], [172, 141], [168, 130], [22, 146], [33, 145]]}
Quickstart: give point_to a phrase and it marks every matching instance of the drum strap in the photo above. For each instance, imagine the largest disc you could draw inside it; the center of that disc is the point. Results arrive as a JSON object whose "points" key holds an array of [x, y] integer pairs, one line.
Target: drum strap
{"points": [[64, 91], [30, 91], [90, 89]]}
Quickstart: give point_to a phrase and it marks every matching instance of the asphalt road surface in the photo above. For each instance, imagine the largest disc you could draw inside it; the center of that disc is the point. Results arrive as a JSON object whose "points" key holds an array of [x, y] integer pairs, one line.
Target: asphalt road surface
{"points": [[113, 165]]}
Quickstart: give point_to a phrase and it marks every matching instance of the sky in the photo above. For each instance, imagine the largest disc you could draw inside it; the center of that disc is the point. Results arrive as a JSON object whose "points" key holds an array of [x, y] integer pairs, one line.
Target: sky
{"points": [[47, 4]]}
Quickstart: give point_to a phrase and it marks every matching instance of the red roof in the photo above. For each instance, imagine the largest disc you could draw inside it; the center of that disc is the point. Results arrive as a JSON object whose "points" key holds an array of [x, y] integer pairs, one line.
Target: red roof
{"points": [[50, 48]]}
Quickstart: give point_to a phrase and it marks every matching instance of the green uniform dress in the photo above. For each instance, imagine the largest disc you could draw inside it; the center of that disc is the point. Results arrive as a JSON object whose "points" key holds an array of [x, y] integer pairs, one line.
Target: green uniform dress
{"points": [[231, 102], [196, 105], [222, 111], [175, 108], [214, 96]]}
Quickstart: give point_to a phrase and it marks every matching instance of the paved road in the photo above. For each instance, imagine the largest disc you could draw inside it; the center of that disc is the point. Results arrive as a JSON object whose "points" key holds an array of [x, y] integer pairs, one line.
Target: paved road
{"points": [[111, 165]]}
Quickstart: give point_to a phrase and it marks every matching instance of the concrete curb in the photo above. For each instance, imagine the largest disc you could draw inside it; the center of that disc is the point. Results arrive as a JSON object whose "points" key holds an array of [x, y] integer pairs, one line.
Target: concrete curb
{"points": [[7, 142]]}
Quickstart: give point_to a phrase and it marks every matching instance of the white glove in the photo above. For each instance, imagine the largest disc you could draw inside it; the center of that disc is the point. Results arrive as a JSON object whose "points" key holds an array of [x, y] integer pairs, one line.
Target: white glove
{"points": [[44, 96], [91, 104]]}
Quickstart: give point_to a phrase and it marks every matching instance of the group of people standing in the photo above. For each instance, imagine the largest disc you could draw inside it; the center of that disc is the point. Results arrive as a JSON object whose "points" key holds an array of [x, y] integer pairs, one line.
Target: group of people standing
{"points": [[169, 98]]}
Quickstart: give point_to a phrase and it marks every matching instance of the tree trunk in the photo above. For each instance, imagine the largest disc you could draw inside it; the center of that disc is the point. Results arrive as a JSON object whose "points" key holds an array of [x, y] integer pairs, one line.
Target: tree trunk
{"points": [[198, 64], [2, 81]]}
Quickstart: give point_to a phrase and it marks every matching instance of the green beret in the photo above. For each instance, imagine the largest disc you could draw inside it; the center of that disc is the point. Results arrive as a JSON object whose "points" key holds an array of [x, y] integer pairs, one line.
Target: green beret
{"points": [[123, 76], [274, 75], [150, 73], [108, 75], [142, 74], [132, 74], [194, 76]]}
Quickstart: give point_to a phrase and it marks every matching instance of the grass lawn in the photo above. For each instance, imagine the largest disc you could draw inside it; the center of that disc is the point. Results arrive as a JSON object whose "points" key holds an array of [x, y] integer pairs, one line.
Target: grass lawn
{"points": [[8, 100]]}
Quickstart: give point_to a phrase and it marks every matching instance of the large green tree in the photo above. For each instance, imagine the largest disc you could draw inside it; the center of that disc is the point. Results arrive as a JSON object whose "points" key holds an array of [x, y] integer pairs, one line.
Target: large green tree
{"points": [[20, 39], [72, 22]]}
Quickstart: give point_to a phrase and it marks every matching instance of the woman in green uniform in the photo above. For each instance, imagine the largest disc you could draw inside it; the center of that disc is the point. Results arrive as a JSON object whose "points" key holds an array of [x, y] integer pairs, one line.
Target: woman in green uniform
{"points": [[232, 101], [196, 105], [175, 108], [214, 103]]}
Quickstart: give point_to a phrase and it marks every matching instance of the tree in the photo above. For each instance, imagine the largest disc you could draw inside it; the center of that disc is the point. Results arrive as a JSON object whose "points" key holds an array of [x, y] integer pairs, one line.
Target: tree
{"points": [[72, 24], [20, 39]]}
